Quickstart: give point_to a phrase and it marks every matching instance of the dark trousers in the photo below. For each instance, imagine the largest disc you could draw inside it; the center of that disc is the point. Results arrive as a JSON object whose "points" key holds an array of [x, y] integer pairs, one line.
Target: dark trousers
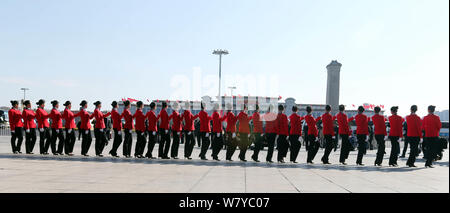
{"points": [[313, 147], [205, 144], [381, 148], [329, 145], [345, 148], [86, 140], [282, 146], [116, 142], [395, 150], [294, 147], [57, 134], [30, 140], [164, 144], [258, 141], [405, 146], [432, 147], [152, 138], [361, 147], [231, 145], [270, 145], [100, 141], [175, 144], [189, 143], [140, 143], [19, 136], [44, 140], [414, 149], [70, 141], [243, 145], [217, 144], [127, 142]]}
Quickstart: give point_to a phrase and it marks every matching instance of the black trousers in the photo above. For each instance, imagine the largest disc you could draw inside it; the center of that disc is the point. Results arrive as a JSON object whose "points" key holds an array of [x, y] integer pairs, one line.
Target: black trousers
{"points": [[152, 138], [44, 140], [313, 147], [243, 145], [30, 140], [361, 147], [127, 143], [329, 145], [282, 146], [189, 143], [405, 146], [205, 144], [381, 148], [176, 137], [70, 141], [294, 147], [86, 140], [100, 141], [17, 135], [258, 141], [414, 149], [164, 144], [217, 144], [345, 148], [432, 146], [270, 145], [116, 142], [57, 134], [395, 150], [231, 145], [140, 143]]}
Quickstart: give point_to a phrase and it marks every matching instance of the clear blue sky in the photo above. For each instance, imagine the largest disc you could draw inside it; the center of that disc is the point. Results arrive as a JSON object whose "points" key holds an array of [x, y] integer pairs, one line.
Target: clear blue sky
{"points": [[393, 52]]}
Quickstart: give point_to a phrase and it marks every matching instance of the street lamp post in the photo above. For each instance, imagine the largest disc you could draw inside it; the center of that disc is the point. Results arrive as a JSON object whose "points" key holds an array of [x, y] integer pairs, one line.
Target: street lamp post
{"points": [[220, 53]]}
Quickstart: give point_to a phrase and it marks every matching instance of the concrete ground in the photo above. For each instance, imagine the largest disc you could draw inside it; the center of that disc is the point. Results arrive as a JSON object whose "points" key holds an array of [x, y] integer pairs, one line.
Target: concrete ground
{"points": [[36, 173]]}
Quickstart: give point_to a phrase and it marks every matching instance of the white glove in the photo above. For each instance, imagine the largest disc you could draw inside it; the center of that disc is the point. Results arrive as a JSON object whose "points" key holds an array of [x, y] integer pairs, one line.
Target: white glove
{"points": [[41, 129], [287, 138], [101, 130], [178, 133], [28, 130], [69, 131], [119, 132], [189, 133], [249, 135], [262, 134], [167, 131], [57, 131], [154, 133], [218, 134], [130, 131], [234, 135], [207, 135], [85, 132], [12, 131], [300, 139]]}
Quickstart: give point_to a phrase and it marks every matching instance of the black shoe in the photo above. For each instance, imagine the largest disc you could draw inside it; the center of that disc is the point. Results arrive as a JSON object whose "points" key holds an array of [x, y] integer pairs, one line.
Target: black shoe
{"points": [[85, 155], [326, 163], [203, 158], [429, 166], [402, 156], [343, 163], [216, 159], [360, 164], [100, 155], [189, 158], [243, 160], [412, 165], [55, 154], [19, 152], [378, 164], [309, 162], [175, 158], [269, 161], [281, 161], [229, 160]]}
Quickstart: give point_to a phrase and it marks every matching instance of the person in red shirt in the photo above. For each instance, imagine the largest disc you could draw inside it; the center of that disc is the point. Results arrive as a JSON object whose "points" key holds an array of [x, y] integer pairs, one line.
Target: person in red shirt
{"points": [[379, 122], [243, 132], [282, 128], [128, 129], [69, 126], [176, 131], [258, 133], [231, 139], [44, 131], [140, 130], [271, 133], [99, 130], [116, 118], [328, 133], [29, 116], [217, 141], [312, 146], [152, 130], [57, 133], [395, 133], [432, 125], [414, 133], [85, 128], [164, 143], [188, 128], [205, 129], [362, 130], [16, 126], [295, 133], [344, 132]]}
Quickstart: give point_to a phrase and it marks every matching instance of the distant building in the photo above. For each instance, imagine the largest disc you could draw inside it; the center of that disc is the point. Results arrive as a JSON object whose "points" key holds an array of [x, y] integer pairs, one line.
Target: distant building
{"points": [[443, 115]]}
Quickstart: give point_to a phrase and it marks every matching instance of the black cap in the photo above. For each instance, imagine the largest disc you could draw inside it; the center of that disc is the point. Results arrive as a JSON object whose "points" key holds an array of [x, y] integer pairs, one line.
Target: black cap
{"points": [[83, 102], [431, 108], [67, 103], [361, 109], [394, 108], [14, 102], [127, 103], [54, 102], [26, 102], [308, 109], [341, 107], [97, 103], [414, 108], [114, 104], [41, 101]]}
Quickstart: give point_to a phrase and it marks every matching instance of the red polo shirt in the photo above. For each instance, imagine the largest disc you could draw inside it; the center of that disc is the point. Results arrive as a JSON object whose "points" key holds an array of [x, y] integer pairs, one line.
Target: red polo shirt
{"points": [[257, 123], [41, 117], [379, 123], [282, 126], [204, 121], [312, 127], [296, 124], [99, 116], [15, 118], [56, 117], [128, 117], [189, 120], [362, 124], [343, 123], [414, 125], [270, 119], [432, 125], [152, 121], [139, 120], [164, 119], [231, 122], [68, 116], [116, 119], [244, 120], [396, 123], [176, 118], [328, 124]]}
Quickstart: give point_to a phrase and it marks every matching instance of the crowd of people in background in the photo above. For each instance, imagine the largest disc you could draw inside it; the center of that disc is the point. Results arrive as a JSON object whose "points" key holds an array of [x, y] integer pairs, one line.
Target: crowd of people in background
{"points": [[241, 131]]}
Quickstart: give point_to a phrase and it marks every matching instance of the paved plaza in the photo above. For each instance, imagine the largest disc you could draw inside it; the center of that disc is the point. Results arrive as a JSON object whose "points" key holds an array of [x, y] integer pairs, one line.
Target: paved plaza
{"points": [[36, 173]]}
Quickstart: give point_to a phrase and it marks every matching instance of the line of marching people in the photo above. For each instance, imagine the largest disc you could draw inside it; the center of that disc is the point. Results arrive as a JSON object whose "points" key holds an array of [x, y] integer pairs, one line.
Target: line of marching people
{"points": [[167, 130]]}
